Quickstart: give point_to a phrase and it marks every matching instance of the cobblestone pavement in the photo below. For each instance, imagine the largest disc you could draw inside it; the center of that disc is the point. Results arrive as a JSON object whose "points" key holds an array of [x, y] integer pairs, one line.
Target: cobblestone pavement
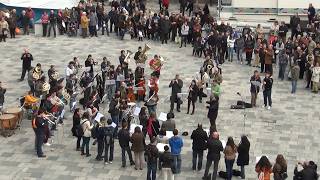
{"points": [[290, 127]]}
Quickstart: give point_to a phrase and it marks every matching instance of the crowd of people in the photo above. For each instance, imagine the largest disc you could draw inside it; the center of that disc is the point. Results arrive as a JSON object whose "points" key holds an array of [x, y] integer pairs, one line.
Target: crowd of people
{"points": [[297, 57]]}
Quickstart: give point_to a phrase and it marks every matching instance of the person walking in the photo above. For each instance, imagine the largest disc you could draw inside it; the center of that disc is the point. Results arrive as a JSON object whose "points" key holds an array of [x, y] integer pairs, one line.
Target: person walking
{"points": [[192, 96], [243, 155], [86, 127], [295, 69], [199, 140], [214, 147], [255, 82], [152, 155], [263, 168], [213, 111], [165, 163], [229, 156], [176, 144], [280, 168], [267, 89], [26, 58], [124, 142], [138, 144]]}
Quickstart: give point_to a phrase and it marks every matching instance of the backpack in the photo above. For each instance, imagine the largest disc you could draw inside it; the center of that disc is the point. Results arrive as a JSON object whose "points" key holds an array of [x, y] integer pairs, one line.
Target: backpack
{"points": [[108, 135], [79, 130], [94, 132], [150, 153]]}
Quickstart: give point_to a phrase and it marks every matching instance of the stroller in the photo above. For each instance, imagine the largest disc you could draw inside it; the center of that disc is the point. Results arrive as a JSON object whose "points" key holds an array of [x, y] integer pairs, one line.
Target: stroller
{"points": [[72, 29]]}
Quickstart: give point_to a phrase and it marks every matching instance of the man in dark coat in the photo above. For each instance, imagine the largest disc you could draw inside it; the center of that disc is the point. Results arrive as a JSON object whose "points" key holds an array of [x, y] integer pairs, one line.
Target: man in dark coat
{"points": [[124, 139], [213, 111], [2, 92], [311, 13], [176, 85], [294, 21], [199, 137], [26, 63], [183, 4], [215, 147], [309, 171], [164, 26]]}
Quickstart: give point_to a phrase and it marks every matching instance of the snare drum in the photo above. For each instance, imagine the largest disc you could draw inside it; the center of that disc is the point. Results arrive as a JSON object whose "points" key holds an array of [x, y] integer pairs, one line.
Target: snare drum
{"points": [[7, 120], [17, 112]]}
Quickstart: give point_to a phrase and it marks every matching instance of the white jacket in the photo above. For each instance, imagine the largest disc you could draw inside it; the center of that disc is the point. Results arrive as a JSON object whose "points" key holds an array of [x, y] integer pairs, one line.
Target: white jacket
{"points": [[230, 42], [85, 123], [184, 30], [315, 74], [205, 77]]}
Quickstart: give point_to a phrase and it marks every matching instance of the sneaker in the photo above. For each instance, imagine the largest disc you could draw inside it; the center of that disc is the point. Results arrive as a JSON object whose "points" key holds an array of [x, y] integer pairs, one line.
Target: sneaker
{"points": [[110, 162], [269, 107], [106, 163], [47, 144]]}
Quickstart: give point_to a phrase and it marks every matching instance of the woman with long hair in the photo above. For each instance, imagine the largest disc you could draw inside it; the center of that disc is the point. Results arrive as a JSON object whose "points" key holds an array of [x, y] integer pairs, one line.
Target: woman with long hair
{"points": [[280, 168], [143, 118], [193, 95], [153, 126], [76, 122], [138, 144], [263, 168], [243, 154], [229, 156]]}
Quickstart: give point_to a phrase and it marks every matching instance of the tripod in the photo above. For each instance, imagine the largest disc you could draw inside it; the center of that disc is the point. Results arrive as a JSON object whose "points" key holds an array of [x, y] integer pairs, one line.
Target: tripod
{"points": [[244, 113]]}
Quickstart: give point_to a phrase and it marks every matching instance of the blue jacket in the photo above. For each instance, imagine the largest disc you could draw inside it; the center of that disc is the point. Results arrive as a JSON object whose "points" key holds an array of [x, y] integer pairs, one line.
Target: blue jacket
{"points": [[176, 144]]}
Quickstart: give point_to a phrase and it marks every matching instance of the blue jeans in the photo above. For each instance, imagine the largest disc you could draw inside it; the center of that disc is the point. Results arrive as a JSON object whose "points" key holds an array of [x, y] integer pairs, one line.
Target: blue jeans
{"points": [[195, 155], [110, 90], [152, 171], [176, 164], [229, 165], [106, 151], [230, 53], [123, 155], [39, 142], [294, 86], [152, 109], [115, 119], [243, 174], [282, 70], [239, 54], [85, 143], [267, 97]]}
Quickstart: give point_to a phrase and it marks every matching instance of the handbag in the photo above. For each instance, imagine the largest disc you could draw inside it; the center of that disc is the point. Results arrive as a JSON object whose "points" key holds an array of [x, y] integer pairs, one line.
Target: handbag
{"points": [[284, 175]]}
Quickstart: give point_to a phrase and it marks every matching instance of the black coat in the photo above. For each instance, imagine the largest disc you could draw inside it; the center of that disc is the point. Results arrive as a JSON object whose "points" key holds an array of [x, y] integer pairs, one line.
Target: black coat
{"points": [[199, 137], [214, 149], [193, 95], [124, 138], [243, 155], [26, 60], [166, 160], [308, 173], [176, 87], [2, 92], [213, 109]]}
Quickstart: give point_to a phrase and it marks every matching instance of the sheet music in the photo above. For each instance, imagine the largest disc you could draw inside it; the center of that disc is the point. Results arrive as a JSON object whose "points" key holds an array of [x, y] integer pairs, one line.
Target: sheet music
{"points": [[169, 134], [160, 147], [133, 126], [120, 77], [98, 117], [136, 111], [162, 116], [110, 82]]}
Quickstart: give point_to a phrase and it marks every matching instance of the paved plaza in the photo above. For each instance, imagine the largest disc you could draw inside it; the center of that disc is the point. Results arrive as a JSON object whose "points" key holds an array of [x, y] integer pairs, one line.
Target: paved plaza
{"points": [[291, 127]]}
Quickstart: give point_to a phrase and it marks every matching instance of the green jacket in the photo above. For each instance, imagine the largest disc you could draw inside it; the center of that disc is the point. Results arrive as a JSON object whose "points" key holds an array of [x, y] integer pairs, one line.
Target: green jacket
{"points": [[216, 90]]}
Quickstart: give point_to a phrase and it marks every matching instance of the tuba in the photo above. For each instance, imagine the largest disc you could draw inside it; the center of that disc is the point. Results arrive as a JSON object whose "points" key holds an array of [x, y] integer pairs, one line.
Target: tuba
{"points": [[36, 73], [127, 58], [143, 57], [45, 87], [65, 95]]}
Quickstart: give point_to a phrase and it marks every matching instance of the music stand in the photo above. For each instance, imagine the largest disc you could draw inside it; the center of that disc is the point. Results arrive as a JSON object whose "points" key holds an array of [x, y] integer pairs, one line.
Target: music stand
{"points": [[244, 113]]}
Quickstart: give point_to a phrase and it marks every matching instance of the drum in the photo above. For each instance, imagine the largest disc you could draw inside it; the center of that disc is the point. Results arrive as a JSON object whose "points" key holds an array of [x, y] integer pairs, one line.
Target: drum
{"points": [[6, 121], [17, 112]]}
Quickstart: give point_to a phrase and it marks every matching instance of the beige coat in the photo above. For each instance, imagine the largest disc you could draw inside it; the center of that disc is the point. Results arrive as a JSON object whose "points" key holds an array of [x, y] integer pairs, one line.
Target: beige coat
{"points": [[4, 26]]}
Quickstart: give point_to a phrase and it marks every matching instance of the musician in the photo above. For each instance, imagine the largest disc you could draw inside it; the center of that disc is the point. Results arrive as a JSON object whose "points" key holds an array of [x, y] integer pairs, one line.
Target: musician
{"points": [[141, 92], [29, 100], [124, 65], [123, 91], [156, 64], [207, 61], [152, 103], [51, 71], [176, 86], [71, 87], [255, 82], [31, 78], [90, 63], [77, 65], [70, 69], [26, 63], [99, 86], [213, 111], [110, 86], [2, 92], [94, 99], [57, 106], [192, 96], [138, 74], [137, 54], [153, 85], [202, 79], [152, 126], [85, 84], [38, 125], [114, 110], [105, 66], [39, 86]]}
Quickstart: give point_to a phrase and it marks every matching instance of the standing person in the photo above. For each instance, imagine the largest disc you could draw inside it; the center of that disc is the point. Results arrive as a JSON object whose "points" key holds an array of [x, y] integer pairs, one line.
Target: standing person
{"points": [[138, 144], [53, 23], [124, 142], [283, 62], [38, 125], [153, 126], [76, 122], [229, 156], [311, 13], [243, 154], [93, 22], [283, 30], [176, 145], [268, 59], [4, 29], [193, 95], [86, 126], [108, 142], [213, 110], [255, 82], [2, 92], [44, 22], [267, 88], [294, 22], [202, 79], [152, 155], [280, 168], [262, 57], [25, 20], [315, 78], [165, 163], [199, 140], [294, 77], [114, 110], [99, 135], [12, 21], [230, 43], [239, 43], [176, 86], [26, 63], [183, 4], [184, 33], [263, 168], [164, 25], [169, 124], [215, 147], [249, 46], [84, 25]]}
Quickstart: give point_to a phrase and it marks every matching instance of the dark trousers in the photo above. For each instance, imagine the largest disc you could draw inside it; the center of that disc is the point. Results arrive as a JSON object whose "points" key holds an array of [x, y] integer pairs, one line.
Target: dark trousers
{"points": [[26, 29], [215, 168], [282, 70], [111, 26], [294, 32], [53, 26], [39, 142], [85, 144], [174, 100], [100, 148], [105, 29], [267, 97], [229, 165], [197, 154], [44, 30], [93, 31], [24, 70], [3, 37], [193, 105], [78, 142], [164, 38], [108, 147], [174, 34], [248, 57], [12, 32], [200, 94], [152, 171], [269, 68], [184, 40], [123, 155]]}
